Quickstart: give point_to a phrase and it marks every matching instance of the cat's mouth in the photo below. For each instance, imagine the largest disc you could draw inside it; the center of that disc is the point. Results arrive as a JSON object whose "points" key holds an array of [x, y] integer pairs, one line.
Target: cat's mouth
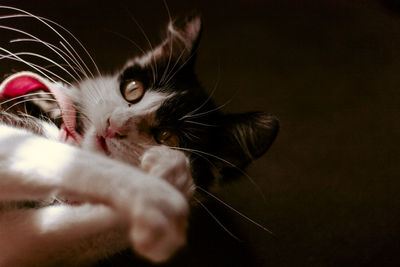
{"points": [[101, 141]]}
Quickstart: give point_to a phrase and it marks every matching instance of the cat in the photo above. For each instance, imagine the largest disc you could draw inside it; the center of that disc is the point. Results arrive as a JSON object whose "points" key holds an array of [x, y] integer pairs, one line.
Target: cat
{"points": [[125, 173]]}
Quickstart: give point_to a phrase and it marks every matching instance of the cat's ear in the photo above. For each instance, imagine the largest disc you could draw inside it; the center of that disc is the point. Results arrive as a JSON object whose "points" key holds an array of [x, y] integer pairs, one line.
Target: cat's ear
{"points": [[178, 48], [245, 137], [182, 40], [187, 31]]}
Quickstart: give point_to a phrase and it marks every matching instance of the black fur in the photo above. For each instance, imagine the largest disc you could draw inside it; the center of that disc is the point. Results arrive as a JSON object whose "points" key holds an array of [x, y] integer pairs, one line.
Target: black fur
{"points": [[236, 138]]}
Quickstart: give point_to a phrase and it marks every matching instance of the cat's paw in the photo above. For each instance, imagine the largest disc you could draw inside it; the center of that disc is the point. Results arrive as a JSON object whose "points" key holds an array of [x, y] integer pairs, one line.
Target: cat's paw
{"points": [[159, 222], [171, 165]]}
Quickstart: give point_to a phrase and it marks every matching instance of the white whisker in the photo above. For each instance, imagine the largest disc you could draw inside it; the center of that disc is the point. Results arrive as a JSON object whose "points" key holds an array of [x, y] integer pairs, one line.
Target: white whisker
{"points": [[49, 60], [140, 49], [58, 49], [216, 220], [235, 210], [11, 57], [189, 114], [36, 38], [43, 20], [148, 42], [184, 63], [199, 123], [230, 164], [167, 78], [212, 110], [26, 95], [28, 100], [76, 61], [165, 75], [27, 63], [189, 135]]}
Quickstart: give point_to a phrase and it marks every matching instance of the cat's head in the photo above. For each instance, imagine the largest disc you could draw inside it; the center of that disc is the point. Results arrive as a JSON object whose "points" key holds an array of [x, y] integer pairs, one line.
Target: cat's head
{"points": [[156, 99]]}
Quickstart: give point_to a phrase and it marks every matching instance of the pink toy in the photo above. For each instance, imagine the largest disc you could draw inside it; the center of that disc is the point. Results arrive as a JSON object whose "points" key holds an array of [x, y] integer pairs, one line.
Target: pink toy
{"points": [[25, 82]]}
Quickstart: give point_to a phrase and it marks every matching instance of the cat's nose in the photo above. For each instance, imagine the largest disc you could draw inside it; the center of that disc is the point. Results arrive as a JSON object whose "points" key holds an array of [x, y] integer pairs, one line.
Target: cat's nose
{"points": [[113, 130]]}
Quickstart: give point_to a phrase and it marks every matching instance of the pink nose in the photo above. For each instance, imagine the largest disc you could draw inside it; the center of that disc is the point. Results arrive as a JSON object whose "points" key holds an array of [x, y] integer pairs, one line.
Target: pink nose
{"points": [[112, 130]]}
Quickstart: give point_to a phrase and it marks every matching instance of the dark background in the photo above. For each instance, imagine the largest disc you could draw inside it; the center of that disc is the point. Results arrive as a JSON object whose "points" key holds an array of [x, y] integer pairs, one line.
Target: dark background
{"points": [[330, 71]]}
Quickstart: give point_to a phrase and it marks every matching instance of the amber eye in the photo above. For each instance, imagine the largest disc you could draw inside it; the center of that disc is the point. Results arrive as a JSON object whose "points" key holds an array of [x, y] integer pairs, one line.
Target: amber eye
{"points": [[132, 90], [167, 138]]}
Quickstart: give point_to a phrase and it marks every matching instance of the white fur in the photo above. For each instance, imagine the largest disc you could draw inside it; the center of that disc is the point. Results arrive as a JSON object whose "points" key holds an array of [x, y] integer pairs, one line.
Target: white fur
{"points": [[145, 207], [101, 100]]}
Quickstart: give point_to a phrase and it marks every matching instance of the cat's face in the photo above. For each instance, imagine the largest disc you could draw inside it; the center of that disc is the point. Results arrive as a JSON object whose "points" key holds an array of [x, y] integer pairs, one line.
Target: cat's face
{"points": [[156, 100]]}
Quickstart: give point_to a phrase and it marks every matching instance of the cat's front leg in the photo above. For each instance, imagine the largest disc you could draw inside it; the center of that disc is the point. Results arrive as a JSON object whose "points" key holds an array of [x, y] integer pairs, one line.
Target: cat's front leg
{"points": [[159, 220], [33, 167], [170, 165]]}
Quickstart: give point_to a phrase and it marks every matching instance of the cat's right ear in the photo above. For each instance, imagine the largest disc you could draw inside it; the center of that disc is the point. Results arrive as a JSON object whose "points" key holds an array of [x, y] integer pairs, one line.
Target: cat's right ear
{"points": [[243, 138]]}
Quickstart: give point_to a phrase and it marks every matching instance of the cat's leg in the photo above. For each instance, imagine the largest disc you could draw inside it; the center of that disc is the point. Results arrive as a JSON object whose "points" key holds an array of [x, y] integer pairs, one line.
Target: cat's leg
{"points": [[32, 167], [170, 165], [60, 235]]}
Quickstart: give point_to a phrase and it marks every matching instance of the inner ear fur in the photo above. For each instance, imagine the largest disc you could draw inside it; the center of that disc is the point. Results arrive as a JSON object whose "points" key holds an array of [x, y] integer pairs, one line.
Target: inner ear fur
{"points": [[245, 137]]}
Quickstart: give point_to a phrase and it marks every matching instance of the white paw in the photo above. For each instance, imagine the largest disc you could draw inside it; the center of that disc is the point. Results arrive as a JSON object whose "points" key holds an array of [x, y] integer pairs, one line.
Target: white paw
{"points": [[159, 222], [171, 165]]}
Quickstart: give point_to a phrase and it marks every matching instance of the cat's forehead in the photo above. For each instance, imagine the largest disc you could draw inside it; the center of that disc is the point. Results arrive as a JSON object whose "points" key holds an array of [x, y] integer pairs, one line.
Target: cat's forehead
{"points": [[145, 60]]}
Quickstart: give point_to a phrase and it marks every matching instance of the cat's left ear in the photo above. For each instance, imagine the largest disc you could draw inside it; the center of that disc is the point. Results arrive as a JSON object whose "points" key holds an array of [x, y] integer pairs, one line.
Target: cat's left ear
{"points": [[245, 137], [183, 37], [186, 30]]}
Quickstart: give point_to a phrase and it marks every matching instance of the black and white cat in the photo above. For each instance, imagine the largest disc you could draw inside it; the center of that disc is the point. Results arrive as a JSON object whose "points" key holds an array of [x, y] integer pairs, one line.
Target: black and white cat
{"points": [[143, 139]]}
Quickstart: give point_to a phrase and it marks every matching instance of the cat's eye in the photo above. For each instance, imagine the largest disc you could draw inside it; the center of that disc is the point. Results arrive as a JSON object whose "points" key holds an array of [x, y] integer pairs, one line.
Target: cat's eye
{"points": [[167, 138], [132, 90]]}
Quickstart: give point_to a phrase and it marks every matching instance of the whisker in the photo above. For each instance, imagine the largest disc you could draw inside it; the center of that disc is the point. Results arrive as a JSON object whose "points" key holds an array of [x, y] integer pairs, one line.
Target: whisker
{"points": [[64, 65], [26, 95], [27, 63], [74, 117], [43, 20], [235, 210], [140, 49], [36, 38], [27, 100], [194, 152], [197, 115], [170, 44], [212, 110], [216, 220], [165, 75], [189, 135], [147, 40], [80, 44], [74, 68], [184, 63], [167, 9], [199, 123], [2, 56], [49, 60], [76, 61], [230, 164], [189, 114], [169, 76], [51, 110]]}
